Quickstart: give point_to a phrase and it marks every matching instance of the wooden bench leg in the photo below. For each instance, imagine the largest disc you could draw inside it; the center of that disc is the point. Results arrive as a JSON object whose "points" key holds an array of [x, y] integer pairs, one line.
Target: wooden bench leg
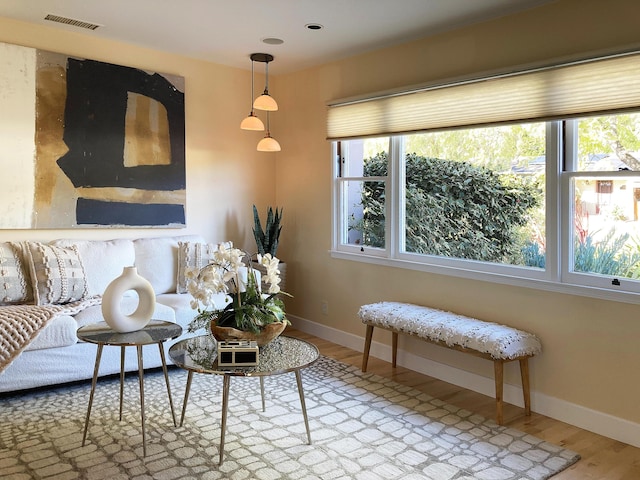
{"points": [[394, 349], [526, 392], [367, 347], [498, 367]]}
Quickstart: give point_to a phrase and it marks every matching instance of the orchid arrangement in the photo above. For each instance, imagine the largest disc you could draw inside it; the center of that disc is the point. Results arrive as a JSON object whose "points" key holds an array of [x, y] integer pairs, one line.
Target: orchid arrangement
{"points": [[246, 306]]}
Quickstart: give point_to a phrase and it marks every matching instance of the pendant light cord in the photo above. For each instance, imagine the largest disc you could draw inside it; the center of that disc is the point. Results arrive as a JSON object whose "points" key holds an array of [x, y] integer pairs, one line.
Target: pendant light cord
{"points": [[251, 96]]}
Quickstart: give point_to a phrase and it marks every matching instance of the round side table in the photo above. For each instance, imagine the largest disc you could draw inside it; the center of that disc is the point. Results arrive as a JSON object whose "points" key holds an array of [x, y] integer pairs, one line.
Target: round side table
{"points": [[282, 355], [156, 331]]}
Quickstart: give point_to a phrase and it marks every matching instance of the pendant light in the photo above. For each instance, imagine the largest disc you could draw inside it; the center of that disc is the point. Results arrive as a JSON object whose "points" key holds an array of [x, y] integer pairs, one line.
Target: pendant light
{"points": [[252, 122], [268, 143], [264, 101]]}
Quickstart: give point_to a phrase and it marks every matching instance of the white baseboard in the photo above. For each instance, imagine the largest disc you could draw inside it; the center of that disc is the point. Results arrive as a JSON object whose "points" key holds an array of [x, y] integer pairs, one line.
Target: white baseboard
{"points": [[571, 413]]}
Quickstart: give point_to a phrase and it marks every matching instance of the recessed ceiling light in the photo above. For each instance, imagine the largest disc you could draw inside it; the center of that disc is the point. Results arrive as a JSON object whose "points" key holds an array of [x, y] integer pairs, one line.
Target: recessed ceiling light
{"points": [[313, 26], [272, 41]]}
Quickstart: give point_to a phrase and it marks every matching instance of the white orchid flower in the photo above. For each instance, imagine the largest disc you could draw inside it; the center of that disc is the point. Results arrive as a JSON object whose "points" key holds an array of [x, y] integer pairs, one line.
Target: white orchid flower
{"points": [[227, 274]]}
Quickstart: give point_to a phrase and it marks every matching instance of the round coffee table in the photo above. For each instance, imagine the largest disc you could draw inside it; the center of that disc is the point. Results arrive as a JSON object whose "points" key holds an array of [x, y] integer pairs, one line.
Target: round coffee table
{"points": [[282, 355], [156, 331]]}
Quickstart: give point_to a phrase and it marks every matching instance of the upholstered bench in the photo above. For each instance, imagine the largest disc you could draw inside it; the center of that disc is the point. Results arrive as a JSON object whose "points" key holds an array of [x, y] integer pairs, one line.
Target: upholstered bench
{"points": [[488, 340]]}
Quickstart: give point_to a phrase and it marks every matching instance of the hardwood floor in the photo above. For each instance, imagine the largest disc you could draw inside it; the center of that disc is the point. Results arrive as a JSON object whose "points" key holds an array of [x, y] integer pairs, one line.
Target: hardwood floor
{"points": [[602, 457]]}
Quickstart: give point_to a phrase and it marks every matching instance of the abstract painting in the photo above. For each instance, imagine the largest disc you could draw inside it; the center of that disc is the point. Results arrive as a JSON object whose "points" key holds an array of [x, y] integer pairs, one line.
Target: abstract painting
{"points": [[93, 144]]}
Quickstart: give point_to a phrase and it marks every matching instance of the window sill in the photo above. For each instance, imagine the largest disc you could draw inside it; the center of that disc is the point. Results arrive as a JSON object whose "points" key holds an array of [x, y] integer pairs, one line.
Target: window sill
{"points": [[546, 285]]}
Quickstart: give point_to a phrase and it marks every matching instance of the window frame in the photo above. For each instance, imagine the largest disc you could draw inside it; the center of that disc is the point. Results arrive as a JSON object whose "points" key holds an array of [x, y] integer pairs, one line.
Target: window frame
{"points": [[567, 175], [561, 145], [340, 228]]}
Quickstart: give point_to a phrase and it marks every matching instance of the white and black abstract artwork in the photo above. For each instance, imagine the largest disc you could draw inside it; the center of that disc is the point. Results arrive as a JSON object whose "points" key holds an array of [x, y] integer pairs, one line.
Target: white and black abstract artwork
{"points": [[89, 144]]}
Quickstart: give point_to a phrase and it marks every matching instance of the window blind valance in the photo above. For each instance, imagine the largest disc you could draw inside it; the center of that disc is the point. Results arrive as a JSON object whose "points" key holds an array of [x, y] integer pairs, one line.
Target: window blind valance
{"points": [[584, 88]]}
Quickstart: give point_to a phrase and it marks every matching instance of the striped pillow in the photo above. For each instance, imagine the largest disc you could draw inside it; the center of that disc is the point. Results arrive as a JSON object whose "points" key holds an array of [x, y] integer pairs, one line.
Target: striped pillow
{"points": [[57, 274], [14, 278]]}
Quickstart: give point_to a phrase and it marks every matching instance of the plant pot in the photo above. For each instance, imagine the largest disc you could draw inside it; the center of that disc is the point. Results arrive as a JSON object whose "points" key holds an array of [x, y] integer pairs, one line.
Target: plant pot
{"points": [[268, 333]]}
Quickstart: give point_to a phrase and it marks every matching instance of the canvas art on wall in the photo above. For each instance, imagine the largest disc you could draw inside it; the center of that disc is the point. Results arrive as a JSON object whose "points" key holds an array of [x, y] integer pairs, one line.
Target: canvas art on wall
{"points": [[88, 143]]}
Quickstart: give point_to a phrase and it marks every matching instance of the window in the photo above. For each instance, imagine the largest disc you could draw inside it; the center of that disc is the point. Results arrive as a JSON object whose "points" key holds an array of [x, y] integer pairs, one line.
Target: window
{"points": [[546, 203], [602, 191], [529, 177], [363, 190], [476, 194]]}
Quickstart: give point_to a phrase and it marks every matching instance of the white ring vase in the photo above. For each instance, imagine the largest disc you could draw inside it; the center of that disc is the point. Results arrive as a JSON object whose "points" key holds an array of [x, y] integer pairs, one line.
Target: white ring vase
{"points": [[113, 294]]}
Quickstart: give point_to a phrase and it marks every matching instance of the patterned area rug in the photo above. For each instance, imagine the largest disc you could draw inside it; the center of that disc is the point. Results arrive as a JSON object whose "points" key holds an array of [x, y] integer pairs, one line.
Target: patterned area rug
{"points": [[363, 427]]}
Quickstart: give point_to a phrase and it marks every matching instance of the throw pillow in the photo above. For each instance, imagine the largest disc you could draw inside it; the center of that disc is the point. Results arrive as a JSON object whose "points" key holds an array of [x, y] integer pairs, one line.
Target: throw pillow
{"points": [[194, 255], [14, 279], [103, 260], [157, 260], [57, 274]]}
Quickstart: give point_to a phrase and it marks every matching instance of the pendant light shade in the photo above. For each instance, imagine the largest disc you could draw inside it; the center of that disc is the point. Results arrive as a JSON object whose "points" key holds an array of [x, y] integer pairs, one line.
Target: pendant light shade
{"points": [[268, 143], [252, 122], [264, 101]]}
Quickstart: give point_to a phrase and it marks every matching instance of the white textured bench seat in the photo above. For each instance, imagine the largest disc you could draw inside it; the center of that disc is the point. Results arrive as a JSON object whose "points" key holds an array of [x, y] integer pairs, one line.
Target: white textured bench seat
{"points": [[489, 340]]}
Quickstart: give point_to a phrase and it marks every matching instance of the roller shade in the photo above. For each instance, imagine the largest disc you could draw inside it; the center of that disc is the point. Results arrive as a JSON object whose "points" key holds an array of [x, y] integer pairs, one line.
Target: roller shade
{"points": [[596, 86]]}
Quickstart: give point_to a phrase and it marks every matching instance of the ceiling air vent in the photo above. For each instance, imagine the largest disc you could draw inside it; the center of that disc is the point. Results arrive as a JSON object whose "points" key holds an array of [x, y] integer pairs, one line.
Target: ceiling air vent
{"points": [[71, 21]]}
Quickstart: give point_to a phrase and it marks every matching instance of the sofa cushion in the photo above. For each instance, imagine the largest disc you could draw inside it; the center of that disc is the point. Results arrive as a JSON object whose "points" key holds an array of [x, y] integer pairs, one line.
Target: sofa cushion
{"points": [[194, 255], [181, 305], [157, 260], [59, 332], [15, 284], [103, 260], [57, 274], [94, 314]]}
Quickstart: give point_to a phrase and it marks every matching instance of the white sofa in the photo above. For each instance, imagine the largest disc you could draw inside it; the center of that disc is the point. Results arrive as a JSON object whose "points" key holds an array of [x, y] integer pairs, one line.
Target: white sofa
{"points": [[56, 356]]}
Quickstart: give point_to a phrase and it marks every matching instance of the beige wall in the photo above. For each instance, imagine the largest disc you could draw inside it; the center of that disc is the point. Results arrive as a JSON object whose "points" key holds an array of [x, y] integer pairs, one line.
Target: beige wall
{"points": [[591, 355], [225, 174]]}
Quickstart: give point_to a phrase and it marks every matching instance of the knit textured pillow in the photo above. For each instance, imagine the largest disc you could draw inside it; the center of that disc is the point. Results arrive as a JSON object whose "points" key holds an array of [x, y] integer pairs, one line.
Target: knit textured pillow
{"points": [[57, 274], [14, 279], [194, 255]]}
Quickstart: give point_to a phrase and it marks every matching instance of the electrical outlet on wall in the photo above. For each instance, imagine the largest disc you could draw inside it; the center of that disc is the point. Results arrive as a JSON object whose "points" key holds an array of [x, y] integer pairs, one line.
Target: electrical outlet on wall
{"points": [[324, 307]]}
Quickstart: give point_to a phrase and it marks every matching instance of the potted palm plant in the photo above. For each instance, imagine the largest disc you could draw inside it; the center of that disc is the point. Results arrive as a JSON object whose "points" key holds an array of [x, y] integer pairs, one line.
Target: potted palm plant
{"points": [[267, 238]]}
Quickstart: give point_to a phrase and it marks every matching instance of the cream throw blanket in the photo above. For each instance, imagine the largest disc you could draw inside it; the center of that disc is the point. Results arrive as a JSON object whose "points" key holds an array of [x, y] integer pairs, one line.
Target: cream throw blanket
{"points": [[20, 324]]}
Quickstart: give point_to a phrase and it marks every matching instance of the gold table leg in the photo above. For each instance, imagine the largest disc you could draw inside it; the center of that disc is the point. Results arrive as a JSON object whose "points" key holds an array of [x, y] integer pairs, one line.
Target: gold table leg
{"points": [[141, 380], [93, 390], [262, 392], [186, 395], [166, 379], [303, 404], [225, 404], [121, 378]]}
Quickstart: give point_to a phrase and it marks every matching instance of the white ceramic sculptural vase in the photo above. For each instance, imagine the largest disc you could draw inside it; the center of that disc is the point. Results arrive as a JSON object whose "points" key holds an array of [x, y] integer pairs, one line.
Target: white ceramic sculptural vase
{"points": [[112, 310]]}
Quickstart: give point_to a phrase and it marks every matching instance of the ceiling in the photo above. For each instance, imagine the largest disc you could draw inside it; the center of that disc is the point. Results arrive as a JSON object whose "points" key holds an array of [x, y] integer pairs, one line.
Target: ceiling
{"points": [[228, 31]]}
